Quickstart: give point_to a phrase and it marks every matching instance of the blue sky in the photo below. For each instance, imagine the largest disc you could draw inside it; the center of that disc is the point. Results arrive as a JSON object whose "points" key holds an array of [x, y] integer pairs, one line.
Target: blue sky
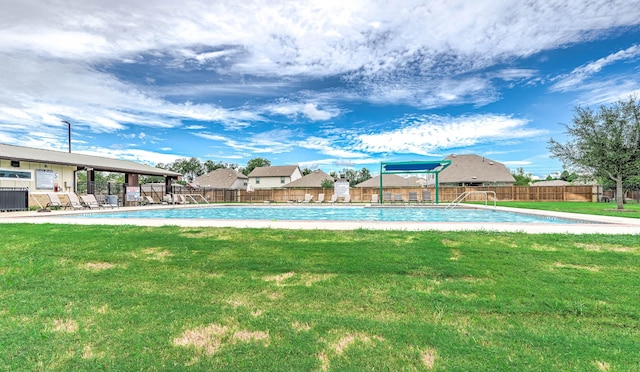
{"points": [[323, 84]]}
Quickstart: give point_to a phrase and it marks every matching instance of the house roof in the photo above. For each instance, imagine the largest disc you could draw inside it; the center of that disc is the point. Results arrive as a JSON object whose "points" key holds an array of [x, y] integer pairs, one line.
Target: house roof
{"points": [[81, 161], [313, 179], [551, 183], [389, 180], [221, 178], [274, 171], [472, 168]]}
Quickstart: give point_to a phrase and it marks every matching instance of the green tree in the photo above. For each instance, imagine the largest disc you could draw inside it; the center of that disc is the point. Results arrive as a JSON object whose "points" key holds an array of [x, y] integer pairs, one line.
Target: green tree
{"points": [[521, 178], [569, 177], [363, 175], [306, 171], [327, 184], [605, 144], [190, 168], [355, 177], [255, 163]]}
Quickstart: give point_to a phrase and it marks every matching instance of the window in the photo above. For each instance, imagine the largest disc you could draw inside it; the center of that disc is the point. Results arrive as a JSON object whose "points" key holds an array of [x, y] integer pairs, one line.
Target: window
{"points": [[281, 179], [13, 174], [257, 180]]}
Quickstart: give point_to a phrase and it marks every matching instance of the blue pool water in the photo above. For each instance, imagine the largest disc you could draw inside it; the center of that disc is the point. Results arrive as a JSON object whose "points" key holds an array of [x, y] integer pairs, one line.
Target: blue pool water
{"points": [[341, 213]]}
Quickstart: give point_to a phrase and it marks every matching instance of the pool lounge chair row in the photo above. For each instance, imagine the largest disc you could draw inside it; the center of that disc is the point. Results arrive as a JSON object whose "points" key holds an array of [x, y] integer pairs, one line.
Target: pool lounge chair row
{"points": [[172, 199], [413, 198], [308, 198], [88, 201]]}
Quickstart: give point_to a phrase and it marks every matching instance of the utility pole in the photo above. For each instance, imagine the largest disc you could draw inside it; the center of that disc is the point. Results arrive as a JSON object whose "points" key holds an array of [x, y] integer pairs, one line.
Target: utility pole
{"points": [[69, 131]]}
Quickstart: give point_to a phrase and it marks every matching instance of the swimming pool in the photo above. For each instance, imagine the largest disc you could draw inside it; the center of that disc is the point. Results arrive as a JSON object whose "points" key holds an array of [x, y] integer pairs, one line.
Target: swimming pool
{"points": [[338, 213]]}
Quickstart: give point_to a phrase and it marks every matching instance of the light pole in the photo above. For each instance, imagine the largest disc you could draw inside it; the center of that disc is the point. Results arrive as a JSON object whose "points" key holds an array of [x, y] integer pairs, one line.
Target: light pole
{"points": [[69, 131]]}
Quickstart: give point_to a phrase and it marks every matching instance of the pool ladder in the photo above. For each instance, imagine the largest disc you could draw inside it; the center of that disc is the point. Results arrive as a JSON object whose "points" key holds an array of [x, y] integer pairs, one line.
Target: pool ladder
{"points": [[464, 195]]}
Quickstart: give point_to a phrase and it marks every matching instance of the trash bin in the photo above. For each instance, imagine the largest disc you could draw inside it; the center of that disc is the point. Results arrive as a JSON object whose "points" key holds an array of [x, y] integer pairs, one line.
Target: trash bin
{"points": [[112, 199]]}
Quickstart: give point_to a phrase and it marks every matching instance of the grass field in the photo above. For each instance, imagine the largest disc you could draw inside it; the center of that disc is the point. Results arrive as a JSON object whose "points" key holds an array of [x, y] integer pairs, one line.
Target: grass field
{"points": [[137, 298], [631, 210]]}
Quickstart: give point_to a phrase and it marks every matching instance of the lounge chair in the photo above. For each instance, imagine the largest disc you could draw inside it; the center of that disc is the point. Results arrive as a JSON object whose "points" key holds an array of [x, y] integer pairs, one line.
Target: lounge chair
{"points": [[386, 197], [413, 197], [334, 198], [89, 201], [166, 199], [426, 197], [178, 199], [74, 202], [54, 201], [104, 201], [148, 200], [307, 198], [320, 198], [346, 199], [374, 198], [397, 198]]}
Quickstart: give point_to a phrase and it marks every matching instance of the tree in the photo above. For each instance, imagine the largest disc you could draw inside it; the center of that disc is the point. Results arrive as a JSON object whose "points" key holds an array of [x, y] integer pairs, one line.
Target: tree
{"points": [[604, 143], [190, 168], [355, 177], [569, 177], [255, 163], [327, 184], [521, 178]]}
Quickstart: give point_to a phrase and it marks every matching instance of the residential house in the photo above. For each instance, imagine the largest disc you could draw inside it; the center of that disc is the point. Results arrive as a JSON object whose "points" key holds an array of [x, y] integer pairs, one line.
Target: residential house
{"points": [[551, 183], [223, 178], [274, 176], [313, 179], [390, 180], [474, 170]]}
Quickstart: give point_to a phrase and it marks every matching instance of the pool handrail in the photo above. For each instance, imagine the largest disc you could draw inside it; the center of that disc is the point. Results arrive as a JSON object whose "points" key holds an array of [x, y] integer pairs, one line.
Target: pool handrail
{"points": [[464, 195]]}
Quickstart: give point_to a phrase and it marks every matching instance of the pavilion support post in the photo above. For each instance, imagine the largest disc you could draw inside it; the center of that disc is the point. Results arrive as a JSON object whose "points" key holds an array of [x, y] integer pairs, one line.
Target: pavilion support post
{"points": [[132, 179], [380, 193], [437, 190], [91, 181]]}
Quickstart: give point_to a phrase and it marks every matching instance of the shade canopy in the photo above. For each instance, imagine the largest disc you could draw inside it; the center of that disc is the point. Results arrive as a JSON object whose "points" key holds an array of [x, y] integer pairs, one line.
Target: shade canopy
{"points": [[433, 167], [415, 167]]}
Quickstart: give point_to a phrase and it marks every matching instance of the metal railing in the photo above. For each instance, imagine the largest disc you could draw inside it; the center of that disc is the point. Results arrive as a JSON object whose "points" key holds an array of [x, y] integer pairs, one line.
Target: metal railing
{"points": [[196, 196], [464, 195]]}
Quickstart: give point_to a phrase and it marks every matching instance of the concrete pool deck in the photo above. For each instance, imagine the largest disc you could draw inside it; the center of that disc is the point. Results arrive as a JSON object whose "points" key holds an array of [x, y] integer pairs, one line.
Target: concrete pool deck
{"points": [[595, 225]]}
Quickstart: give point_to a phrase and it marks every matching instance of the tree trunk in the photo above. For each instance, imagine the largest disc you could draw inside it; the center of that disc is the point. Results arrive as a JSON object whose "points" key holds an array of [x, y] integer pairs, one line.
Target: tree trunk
{"points": [[619, 194]]}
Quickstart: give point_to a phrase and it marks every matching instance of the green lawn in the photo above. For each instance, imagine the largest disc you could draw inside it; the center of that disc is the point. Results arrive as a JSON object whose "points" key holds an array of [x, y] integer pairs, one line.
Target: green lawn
{"points": [[602, 209], [137, 298]]}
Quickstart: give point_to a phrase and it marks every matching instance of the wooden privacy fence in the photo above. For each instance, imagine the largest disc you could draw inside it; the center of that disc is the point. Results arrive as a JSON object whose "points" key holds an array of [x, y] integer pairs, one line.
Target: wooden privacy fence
{"points": [[586, 193]]}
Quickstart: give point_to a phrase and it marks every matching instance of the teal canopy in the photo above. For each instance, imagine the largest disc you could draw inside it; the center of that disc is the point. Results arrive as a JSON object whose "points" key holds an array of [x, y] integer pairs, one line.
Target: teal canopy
{"points": [[434, 167]]}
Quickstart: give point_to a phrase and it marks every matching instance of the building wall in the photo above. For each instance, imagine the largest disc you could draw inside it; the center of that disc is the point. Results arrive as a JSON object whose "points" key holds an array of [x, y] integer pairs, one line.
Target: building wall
{"points": [[40, 177], [268, 182]]}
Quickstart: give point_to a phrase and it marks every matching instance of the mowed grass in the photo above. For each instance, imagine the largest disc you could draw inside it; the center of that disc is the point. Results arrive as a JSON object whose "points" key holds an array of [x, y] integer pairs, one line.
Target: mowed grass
{"points": [[631, 210], [138, 298]]}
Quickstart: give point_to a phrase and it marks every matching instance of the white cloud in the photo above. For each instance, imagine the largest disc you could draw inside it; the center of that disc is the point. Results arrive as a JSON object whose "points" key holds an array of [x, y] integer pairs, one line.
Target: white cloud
{"points": [[575, 79], [140, 156], [329, 146], [309, 110], [370, 40], [275, 142], [605, 92], [235, 65], [427, 134], [312, 112]]}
